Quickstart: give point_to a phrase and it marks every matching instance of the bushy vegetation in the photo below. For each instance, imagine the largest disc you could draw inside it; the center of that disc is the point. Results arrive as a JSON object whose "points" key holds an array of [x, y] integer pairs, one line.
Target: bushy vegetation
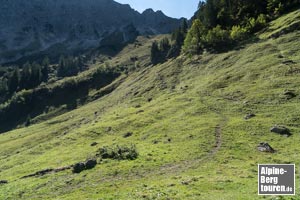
{"points": [[29, 76], [219, 23], [119, 152], [33, 102]]}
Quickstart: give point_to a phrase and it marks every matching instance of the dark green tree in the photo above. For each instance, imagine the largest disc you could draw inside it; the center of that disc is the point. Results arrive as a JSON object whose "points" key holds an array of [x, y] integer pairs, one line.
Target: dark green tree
{"points": [[62, 68], [45, 69], [36, 75], [25, 76], [155, 53], [13, 81], [193, 42]]}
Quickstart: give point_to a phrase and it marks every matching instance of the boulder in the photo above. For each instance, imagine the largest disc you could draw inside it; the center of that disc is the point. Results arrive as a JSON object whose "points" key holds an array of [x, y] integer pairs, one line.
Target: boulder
{"points": [[78, 167], [280, 130], [3, 182], [265, 147], [94, 144], [90, 164], [249, 116], [289, 94], [128, 134]]}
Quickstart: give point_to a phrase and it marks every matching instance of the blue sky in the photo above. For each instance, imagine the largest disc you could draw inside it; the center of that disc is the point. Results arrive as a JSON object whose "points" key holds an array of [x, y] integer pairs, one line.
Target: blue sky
{"points": [[172, 8]]}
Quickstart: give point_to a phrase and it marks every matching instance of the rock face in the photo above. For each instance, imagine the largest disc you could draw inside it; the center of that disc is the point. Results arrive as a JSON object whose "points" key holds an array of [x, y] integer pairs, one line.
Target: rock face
{"points": [[265, 147], [27, 27]]}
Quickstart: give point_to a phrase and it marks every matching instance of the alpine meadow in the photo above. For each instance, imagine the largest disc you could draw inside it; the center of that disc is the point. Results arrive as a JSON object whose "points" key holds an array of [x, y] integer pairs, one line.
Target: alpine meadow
{"points": [[99, 101]]}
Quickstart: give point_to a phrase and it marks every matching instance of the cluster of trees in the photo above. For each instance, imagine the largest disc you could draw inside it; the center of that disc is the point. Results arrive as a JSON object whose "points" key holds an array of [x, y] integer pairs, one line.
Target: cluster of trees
{"points": [[165, 49], [29, 76], [70, 66], [220, 23]]}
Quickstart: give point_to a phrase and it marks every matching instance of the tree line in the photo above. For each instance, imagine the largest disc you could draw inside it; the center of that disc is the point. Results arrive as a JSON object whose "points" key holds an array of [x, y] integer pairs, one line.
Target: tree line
{"points": [[220, 24], [31, 75], [169, 48]]}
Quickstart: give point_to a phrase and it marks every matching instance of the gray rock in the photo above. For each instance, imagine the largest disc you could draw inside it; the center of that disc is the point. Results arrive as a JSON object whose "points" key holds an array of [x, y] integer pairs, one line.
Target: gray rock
{"points": [[90, 164], [280, 130], [265, 147], [249, 116], [128, 134], [3, 182], [94, 144], [289, 94]]}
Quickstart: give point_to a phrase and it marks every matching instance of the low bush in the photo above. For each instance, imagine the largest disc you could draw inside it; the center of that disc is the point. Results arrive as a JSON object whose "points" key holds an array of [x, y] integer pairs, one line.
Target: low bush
{"points": [[217, 38], [257, 24], [238, 33], [118, 152]]}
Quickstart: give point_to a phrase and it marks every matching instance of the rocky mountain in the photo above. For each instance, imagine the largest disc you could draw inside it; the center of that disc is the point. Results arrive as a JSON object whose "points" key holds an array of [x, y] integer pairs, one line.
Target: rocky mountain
{"points": [[60, 26]]}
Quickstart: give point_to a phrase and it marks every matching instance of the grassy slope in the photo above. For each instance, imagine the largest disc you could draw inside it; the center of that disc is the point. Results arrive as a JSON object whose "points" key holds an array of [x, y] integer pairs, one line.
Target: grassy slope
{"points": [[194, 100]]}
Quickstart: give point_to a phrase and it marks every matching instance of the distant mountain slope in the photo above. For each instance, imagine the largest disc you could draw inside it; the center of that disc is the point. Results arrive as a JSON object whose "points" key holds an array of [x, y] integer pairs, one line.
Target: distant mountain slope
{"points": [[27, 27]]}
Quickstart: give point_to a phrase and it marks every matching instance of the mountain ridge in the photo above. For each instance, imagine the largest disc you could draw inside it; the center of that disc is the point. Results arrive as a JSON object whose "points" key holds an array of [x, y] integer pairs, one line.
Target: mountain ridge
{"points": [[75, 25]]}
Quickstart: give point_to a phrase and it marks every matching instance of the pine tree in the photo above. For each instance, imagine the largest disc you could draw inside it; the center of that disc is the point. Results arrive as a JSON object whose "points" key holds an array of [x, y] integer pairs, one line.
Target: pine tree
{"points": [[3, 86], [193, 41], [155, 53], [164, 45], [36, 75], [210, 14], [25, 76], [184, 27], [61, 70], [45, 69], [14, 80]]}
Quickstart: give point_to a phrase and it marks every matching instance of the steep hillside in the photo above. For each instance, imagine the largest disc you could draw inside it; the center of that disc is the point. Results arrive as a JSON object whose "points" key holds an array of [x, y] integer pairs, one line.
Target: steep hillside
{"points": [[185, 118]]}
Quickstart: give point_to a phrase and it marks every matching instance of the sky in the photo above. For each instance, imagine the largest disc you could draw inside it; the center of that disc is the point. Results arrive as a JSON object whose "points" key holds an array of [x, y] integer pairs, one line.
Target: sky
{"points": [[171, 8]]}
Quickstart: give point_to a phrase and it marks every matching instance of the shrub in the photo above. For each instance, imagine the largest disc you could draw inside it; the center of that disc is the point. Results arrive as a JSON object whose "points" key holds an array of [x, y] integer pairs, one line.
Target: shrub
{"points": [[238, 33], [118, 152], [255, 25], [216, 38], [275, 7]]}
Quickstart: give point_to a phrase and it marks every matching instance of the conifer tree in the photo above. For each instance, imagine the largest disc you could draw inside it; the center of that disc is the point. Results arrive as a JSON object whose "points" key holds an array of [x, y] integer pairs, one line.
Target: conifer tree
{"points": [[45, 69], [14, 80], [155, 53]]}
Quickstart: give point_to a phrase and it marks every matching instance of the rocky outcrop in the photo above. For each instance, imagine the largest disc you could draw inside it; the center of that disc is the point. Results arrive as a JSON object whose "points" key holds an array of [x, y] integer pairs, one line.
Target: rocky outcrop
{"points": [[3, 182], [265, 147], [280, 130], [27, 27]]}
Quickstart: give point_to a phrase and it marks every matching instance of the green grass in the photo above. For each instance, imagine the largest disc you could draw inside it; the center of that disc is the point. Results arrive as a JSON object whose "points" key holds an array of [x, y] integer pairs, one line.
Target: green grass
{"points": [[174, 133]]}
